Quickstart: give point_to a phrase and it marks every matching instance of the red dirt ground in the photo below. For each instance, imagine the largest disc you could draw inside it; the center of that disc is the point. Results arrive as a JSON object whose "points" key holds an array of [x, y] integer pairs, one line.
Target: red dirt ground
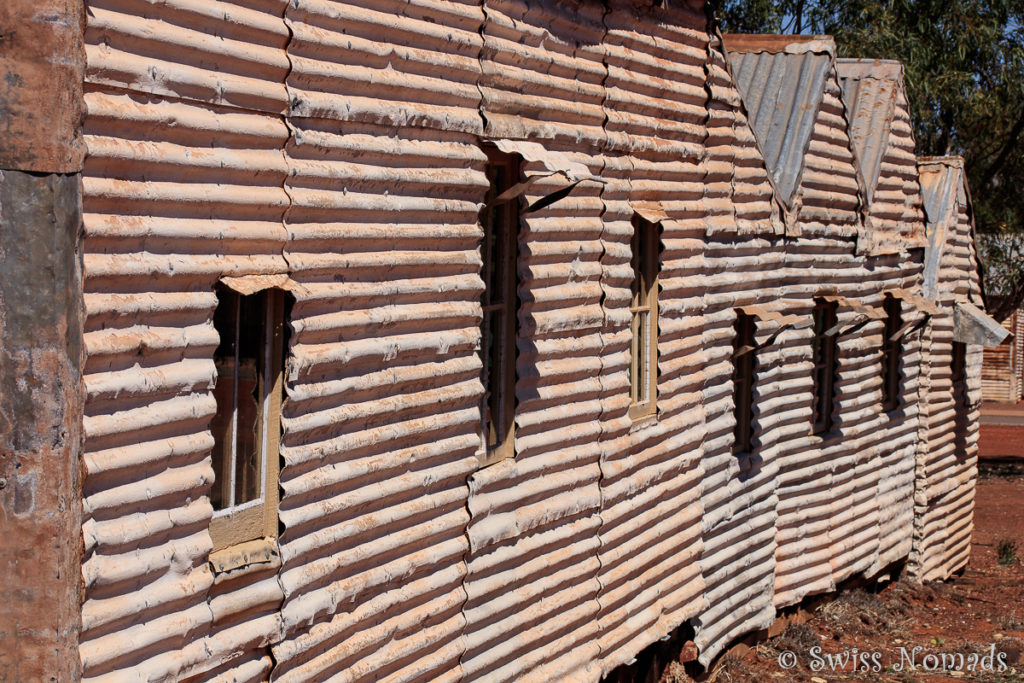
{"points": [[1002, 441]]}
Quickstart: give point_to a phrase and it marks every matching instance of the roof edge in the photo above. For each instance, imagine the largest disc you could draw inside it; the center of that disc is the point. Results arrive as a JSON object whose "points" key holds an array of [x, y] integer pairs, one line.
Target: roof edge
{"points": [[951, 160], [767, 42]]}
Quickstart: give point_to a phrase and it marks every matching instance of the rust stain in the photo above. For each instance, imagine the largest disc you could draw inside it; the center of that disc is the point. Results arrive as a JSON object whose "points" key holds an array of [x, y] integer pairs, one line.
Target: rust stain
{"points": [[41, 69]]}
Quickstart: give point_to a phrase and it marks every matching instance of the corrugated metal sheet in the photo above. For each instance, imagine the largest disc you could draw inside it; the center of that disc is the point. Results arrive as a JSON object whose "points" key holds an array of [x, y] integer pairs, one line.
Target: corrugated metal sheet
{"points": [[229, 53], [844, 498], [340, 143], [175, 194], [947, 458], [869, 93], [532, 586], [651, 471], [190, 189], [738, 497], [386, 183], [1000, 368], [183, 184], [781, 91], [737, 189], [875, 99]]}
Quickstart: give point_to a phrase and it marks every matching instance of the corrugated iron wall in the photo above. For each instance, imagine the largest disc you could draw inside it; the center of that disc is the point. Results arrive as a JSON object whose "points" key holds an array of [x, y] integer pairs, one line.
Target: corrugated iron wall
{"points": [[339, 143], [948, 452], [651, 470], [532, 587], [880, 130], [386, 183], [738, 496], [1000, 376], [183, 183]]}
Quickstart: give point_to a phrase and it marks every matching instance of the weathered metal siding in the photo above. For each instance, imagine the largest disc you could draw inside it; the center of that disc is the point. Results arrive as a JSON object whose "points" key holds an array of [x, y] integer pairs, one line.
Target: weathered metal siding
{"points": [[739, 493], [879, 125], [738, 524], [875, 99], [782, 88], [829, 224], [385, 186], [186, 183], [947, 457], [532, 587], [651, 469], [339, 143], [183, 184], [1000, 379], [833, 489]]}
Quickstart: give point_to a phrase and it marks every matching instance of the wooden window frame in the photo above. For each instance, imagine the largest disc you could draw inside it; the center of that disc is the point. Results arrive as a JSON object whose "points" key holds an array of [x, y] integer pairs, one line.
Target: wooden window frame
{"points": [[892, 353], [235, 524], [645, 259], [499, 326], [744, 365], [824, 356]]}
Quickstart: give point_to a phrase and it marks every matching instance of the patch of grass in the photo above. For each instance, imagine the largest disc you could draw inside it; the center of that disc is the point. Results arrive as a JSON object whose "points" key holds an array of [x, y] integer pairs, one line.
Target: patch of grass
{"points": [[1006, 551]]}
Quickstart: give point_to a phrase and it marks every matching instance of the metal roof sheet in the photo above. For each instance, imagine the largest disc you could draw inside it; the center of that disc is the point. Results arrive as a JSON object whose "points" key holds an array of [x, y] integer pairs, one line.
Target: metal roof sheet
{"points": [[782, 90], [939, 177], [869, 93]]}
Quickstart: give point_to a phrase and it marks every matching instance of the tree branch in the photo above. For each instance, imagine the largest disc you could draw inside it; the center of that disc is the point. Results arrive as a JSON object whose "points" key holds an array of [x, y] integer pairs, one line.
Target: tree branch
{"points": [[1004, 154]]}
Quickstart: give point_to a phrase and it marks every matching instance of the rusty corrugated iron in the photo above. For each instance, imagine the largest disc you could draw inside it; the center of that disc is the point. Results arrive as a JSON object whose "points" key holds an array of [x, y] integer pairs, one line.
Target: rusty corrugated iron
{"points": [[356, 176], [875, 99], [947, 457], [42, 62], [781, 82]]}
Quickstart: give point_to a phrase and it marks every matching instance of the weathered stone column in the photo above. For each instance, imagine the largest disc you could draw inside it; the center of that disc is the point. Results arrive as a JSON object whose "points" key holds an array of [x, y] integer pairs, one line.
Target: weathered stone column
{"points": [[41, 71]]}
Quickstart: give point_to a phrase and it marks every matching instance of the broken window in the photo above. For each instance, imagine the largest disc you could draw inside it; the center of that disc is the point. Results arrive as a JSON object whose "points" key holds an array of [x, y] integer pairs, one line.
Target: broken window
{"points": [[499, 251], [743, 365], [644, 309], [247, 425], [823, 346], [892, 349]]}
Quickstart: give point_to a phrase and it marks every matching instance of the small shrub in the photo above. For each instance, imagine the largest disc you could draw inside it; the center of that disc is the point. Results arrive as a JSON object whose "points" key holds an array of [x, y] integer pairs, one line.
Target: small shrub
{"points": [[798, 638], [1006, 551]]}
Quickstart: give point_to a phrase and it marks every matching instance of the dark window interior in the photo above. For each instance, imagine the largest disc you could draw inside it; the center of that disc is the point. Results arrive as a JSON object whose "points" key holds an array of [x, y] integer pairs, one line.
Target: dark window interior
{"points": [[825, 365], [499, 251], [241, 360], [744, 358], [891, 353]]}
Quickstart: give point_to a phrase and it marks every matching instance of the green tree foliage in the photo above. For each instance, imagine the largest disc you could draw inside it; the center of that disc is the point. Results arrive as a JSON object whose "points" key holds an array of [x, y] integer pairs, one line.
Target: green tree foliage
{"points": [[964, 62]]}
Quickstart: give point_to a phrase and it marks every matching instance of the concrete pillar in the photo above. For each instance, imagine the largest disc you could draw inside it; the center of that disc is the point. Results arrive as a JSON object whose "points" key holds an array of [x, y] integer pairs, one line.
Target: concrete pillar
{"points": [[41, 71]]}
